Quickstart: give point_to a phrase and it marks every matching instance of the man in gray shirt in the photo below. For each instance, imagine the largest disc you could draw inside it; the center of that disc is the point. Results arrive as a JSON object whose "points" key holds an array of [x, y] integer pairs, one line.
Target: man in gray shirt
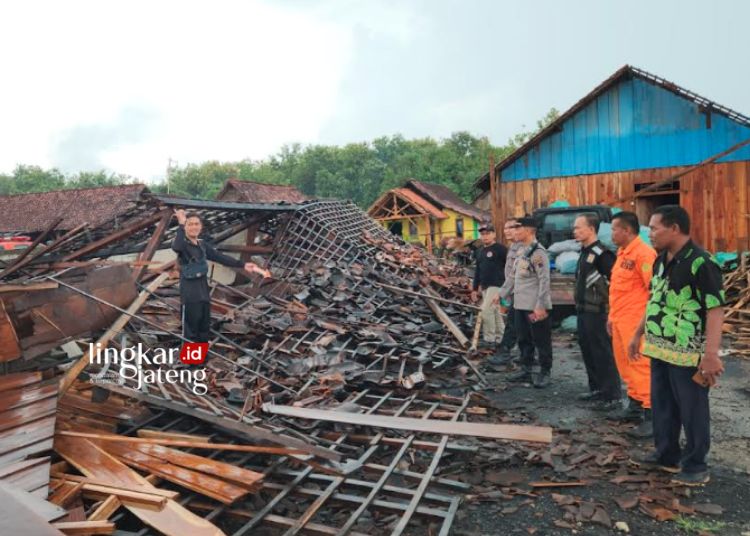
{"points": [[529, 289], [510, 338]]}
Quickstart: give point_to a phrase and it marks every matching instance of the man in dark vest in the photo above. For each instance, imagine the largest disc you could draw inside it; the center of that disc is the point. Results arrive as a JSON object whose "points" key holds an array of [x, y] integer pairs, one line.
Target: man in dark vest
{"points": [[592, 309], [192, 256]]}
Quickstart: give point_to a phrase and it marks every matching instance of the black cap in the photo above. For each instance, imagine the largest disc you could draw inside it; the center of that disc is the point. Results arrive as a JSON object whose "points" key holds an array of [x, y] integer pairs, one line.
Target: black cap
{"points": [[528, 222], [486, 226]]}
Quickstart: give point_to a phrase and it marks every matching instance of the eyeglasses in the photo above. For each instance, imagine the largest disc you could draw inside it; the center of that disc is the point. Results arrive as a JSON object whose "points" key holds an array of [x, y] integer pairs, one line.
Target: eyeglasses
{"points": [[516, 226]]}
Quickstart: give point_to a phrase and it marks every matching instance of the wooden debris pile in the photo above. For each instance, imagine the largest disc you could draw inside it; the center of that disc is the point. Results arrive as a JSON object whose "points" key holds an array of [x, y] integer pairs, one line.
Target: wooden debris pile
{"points": [[354, 324], [737, 315]]}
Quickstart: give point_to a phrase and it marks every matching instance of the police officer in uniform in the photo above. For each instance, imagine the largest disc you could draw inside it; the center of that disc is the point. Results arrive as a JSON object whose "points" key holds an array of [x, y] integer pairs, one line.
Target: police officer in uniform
{"points": [[529, 289], [592, 308]]}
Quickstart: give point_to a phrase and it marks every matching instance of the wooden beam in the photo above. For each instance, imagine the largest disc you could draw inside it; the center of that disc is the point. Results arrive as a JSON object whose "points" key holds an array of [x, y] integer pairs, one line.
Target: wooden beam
{"points": [[85, 528], [247, 249], [697, 166], [493, 191], [126, 496], [180, 443], [428, 296], [446, 320], [18, 261], [105, 339], [429, 233], [45, 285], [154, 242], [108, 507], [114, 237], [540, 434]]}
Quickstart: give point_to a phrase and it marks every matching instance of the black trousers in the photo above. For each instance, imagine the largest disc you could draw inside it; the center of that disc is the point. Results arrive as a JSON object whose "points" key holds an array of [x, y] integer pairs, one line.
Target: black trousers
{"points": [[510, 337], [534, 336], [196, 321], [596, 348], [678, 402]]}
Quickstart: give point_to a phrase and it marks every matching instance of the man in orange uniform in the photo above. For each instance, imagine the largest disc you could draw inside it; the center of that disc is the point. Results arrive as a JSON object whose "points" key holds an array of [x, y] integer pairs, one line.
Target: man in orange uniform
{"points": [[628, 296]]}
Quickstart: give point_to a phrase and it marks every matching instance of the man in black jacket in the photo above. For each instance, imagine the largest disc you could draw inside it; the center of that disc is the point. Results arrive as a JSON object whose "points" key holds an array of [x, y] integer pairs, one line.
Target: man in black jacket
{"points": [[192, 254], [489, 276], [592, 308]]}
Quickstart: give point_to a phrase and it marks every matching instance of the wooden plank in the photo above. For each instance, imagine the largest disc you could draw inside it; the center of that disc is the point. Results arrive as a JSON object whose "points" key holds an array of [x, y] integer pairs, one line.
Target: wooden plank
{"points": [[17, 519], [18, 380], [153, 243], [158, 434], [252, 432], [10, 347], [85, 528], [180, 443], [44, 509], [173, 520], [124, 495], [541, 434], [102, 486], [218, 489], [446, 320], [104, 340], [105, 510]]}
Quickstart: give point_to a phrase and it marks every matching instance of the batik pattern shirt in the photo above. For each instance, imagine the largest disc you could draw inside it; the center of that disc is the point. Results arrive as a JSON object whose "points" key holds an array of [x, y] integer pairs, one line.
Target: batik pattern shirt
{"points": [[683, 290]]}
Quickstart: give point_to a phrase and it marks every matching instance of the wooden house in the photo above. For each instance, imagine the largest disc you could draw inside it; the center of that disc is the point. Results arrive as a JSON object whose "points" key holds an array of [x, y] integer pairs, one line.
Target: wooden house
{"points": [[636, 142], [428, 213]]}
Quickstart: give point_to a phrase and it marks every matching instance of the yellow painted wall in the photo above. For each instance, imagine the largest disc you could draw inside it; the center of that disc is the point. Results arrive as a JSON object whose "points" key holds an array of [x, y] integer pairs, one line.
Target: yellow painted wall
{"points": [[442, 228]]}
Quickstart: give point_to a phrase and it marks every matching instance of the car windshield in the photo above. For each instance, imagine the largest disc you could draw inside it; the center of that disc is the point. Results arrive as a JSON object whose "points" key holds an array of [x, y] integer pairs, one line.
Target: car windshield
{"points": [[561, 221]]}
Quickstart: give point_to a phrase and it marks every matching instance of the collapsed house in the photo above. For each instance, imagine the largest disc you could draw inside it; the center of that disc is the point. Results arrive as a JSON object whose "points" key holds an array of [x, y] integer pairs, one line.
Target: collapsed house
{"points": [[332, 393], [336, 397]]}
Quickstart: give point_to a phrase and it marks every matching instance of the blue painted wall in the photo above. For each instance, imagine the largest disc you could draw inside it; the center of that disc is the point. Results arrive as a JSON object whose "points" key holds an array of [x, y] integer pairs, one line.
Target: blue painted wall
{"points": [[633, 125]]}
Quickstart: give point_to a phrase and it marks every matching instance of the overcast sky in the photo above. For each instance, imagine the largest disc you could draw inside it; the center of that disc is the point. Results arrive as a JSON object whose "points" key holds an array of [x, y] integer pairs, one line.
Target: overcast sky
{"points": [[126, 85]]}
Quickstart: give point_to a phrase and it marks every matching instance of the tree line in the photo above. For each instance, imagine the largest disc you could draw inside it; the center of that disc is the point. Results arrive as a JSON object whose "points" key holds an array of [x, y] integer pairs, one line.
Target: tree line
{"points": [[357, 171]]}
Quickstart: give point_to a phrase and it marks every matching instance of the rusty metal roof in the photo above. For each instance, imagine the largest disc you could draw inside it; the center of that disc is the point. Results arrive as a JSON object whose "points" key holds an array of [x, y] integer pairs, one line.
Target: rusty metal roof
{"points": [[258, 192], [446, 198], [625, 72], [35, 211]]}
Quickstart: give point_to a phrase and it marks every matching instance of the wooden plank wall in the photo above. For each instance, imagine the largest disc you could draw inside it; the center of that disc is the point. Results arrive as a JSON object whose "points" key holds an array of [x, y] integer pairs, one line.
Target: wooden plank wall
{"points": [[717, 197]]}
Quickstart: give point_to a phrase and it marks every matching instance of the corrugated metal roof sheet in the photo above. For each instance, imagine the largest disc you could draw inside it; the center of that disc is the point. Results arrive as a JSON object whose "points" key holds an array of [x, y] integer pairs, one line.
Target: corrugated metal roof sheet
{"points": [[629, 121]]}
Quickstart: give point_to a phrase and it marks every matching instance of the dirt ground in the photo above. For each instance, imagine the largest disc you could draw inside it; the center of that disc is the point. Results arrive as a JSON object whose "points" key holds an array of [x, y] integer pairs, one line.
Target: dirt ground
{"points": [[557, 406]]}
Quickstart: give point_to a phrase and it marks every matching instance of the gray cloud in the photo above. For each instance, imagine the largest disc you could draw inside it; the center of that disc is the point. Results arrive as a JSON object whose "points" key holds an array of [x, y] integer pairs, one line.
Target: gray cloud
{"points": [[492, 67], [81, 147]]}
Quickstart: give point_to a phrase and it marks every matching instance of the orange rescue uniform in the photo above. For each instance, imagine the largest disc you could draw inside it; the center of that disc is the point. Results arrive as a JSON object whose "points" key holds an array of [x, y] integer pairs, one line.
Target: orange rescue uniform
{"points": [[628, 296]]}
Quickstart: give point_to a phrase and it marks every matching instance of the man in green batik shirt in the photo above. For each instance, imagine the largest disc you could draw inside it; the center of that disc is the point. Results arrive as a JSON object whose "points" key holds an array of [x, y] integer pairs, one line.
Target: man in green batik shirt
{"points": [[682, 328]]}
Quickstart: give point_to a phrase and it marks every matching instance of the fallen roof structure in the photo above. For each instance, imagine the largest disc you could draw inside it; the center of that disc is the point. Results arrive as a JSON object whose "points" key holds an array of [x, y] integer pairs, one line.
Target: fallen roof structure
{"points": [[353, 321]]}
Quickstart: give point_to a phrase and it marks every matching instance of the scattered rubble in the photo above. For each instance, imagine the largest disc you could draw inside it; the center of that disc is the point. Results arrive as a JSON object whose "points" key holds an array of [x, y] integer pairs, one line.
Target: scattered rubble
{"points": [[340, 396]]}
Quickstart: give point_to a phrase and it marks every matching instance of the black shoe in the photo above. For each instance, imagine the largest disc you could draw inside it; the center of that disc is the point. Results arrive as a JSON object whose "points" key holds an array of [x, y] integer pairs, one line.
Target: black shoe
{"points": [[650, 462], [691, 479], [542, 380], [484, 345], [633, 412], [500, 358], [591, 396], [522, 376], [608, 405], [645, 428]]}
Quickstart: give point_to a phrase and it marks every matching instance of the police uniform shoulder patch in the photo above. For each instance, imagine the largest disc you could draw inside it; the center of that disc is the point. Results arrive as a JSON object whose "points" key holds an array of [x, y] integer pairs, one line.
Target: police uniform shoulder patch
{"points": [[597, 250]]}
